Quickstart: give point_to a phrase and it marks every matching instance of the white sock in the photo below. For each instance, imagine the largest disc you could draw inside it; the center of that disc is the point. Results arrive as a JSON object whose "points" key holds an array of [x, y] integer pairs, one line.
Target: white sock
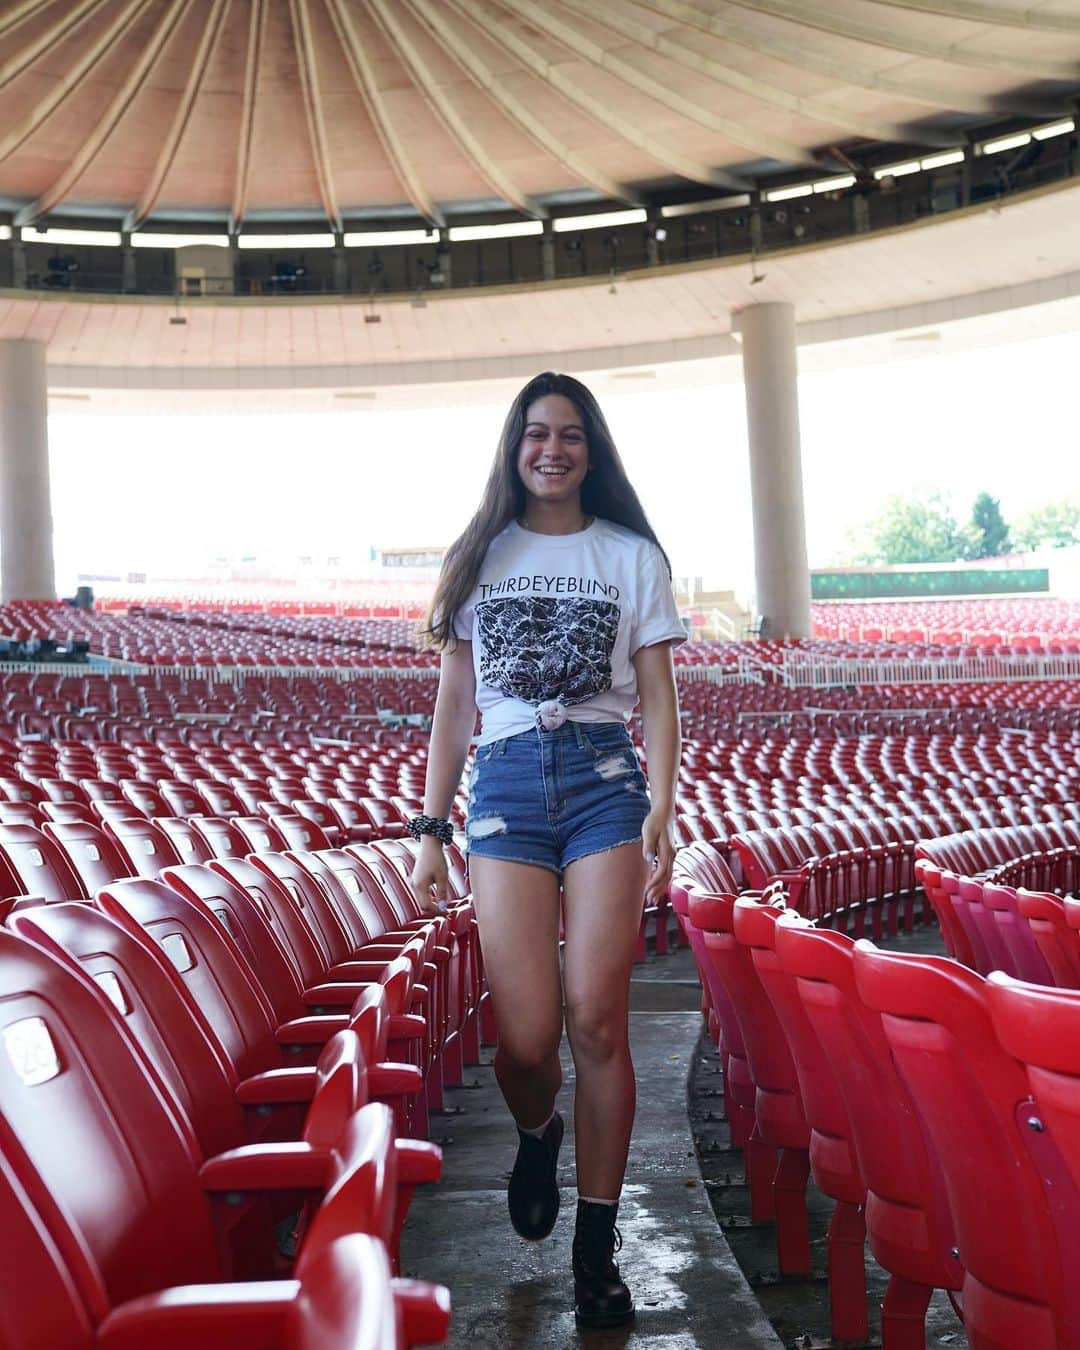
{"points": [[538, 1132], [589, 1200]]}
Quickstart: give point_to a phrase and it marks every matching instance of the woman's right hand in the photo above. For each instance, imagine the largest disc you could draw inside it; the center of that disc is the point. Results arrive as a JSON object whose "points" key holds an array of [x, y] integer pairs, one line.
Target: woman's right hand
{"points": [[430, 879]]}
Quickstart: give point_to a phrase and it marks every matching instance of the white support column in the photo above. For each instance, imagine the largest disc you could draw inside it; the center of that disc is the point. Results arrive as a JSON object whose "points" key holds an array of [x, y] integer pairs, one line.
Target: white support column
{"points": [[772, 416], [26, 531]]}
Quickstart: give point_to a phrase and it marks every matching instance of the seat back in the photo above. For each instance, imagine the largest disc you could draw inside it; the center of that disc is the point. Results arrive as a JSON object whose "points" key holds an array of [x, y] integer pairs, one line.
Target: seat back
{"points": [[1060, 946], [146, 847], [299, 832], [259, 834], [310, 902], [37, 865], [221, 987], [90, 853], [185, 838], [246, 924], [141, 986], [968, 1091], [221, 836], [280, 911], [778, 1103], [391, 885], [357, 899], [1040, 1026], [84, 1123], [832, 1153], [41, 1302], [908, 1219], [1028, 961]]}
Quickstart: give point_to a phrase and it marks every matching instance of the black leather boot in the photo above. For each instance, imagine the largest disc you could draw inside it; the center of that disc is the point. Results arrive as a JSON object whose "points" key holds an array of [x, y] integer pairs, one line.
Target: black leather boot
{"points": [[601, 1298], [533, 1194]]}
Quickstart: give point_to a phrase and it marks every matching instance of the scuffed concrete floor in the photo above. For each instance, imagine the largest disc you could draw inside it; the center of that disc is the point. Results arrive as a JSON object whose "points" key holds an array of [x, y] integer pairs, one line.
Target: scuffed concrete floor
{"points": [[514, 1295]]}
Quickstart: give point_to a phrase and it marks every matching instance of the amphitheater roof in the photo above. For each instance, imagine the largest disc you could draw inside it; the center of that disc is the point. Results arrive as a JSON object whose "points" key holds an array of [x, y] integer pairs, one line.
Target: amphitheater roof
{"points": [[340, 111]]}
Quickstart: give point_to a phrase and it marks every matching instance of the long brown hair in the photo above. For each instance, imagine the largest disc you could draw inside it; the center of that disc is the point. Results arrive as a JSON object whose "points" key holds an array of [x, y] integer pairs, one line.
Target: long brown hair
{"points": [[606, 492]]}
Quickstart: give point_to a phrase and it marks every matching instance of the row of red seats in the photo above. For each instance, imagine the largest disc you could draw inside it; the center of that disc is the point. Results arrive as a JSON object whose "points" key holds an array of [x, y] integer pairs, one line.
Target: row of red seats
{"points": [[361, 892], [899, 1083], [1015, 622], [171, 1037]]}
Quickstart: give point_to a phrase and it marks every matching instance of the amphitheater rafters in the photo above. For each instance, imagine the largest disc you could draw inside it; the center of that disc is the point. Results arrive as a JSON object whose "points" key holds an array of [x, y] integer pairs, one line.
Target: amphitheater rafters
{"points": [[393, 143], [642, 82], [59, 90], [56, 192], [27, 55], [466, 55], [253, 56], [244, 114], [1023, 16], [152, 191], [672, 159], [620, 18], [848, 68], [313, 106], [988, 55], [445, 109]]}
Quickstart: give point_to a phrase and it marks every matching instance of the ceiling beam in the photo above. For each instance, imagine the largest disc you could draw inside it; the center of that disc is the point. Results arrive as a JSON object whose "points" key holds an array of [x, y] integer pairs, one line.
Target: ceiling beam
{"points": [[19, 13], [546, 18], [620, 18], [674, 161], [316, 123], [433, 14], [152, 190], [388, 17], [58, 90], [812, 14], [366, 83], [252, 62], [103, 129], [780, 43], [48, 37], [1035, 20]]}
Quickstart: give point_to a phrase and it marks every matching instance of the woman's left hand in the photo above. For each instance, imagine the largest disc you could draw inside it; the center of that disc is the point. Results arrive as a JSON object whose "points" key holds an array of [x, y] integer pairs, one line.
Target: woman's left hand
{"points": [[659, 854]]}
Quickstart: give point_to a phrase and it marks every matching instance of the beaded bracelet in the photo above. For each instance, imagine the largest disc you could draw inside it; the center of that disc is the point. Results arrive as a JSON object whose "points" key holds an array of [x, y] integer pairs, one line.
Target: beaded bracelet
{"points": [[436, 825]]}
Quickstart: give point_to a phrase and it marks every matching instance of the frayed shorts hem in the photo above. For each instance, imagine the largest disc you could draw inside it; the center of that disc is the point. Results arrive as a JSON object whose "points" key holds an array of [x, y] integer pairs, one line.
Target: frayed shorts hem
{"points": [[550, 866]]}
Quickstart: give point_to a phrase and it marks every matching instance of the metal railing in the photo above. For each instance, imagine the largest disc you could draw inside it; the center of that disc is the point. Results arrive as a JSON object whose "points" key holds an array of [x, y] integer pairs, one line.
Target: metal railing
{"points": [[802, 670]]}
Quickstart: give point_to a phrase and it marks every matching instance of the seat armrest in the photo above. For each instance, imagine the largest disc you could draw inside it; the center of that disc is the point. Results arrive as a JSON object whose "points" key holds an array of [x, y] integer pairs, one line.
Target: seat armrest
{"points": [[417, 1161], [424, 1309], [390, 1079], [311, 1030], [211, 1316], [268, 1167], [278, 1087]]}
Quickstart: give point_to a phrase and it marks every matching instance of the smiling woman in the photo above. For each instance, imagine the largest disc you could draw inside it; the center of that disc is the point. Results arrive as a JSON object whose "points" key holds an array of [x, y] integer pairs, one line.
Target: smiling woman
{"points": [[554, 614]]}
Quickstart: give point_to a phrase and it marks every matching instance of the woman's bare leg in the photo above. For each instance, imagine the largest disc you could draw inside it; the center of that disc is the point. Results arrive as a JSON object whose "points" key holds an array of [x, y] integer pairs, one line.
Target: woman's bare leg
{"points": [[603, 896], [517, 909]]}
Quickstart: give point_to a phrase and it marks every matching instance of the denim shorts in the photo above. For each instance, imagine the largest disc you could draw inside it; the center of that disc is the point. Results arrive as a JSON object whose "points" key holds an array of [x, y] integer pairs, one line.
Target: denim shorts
{"points": [[551, 797]]}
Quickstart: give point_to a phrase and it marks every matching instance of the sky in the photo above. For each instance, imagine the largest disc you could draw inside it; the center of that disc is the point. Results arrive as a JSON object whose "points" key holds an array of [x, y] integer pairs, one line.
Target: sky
{"points": [[1000, 419]]}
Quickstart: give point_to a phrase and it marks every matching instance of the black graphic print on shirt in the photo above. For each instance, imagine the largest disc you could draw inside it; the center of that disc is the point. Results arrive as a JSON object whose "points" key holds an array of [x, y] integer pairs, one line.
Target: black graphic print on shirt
{"points": [[535, 647]]}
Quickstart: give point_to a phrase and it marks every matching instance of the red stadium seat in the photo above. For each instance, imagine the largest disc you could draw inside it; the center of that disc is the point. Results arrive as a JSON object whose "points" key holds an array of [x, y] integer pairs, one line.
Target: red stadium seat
{"points": [[908, 1220], [973, 1099]]}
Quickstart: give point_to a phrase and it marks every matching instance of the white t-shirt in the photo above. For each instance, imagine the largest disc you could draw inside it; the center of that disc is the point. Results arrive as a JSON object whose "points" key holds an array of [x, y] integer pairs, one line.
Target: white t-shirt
{"points": [[558, 617]]}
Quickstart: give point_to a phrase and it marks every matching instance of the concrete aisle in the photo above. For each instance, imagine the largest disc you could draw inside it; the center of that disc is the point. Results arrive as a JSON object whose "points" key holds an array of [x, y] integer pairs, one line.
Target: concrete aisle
{"points": [[514, 1295]]}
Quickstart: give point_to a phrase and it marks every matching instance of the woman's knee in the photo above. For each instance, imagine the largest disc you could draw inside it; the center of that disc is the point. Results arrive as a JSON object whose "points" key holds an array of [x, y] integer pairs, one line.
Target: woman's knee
{"points": [[528, 1054], [597, 1032]]}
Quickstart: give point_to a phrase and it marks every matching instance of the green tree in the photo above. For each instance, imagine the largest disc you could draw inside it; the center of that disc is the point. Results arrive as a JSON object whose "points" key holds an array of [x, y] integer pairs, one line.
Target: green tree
{"points": [[1055, 525], [915, 530], [991, 533]]}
